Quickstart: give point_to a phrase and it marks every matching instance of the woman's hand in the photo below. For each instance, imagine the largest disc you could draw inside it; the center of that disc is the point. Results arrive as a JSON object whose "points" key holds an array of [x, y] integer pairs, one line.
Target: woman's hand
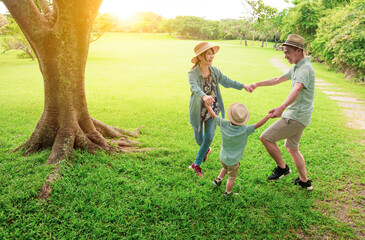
{"points": [[208, 99], [250, 88]]}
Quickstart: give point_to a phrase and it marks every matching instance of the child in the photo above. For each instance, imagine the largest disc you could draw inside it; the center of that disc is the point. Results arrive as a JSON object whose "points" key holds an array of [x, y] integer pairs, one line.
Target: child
{"points": [[234, 140]]}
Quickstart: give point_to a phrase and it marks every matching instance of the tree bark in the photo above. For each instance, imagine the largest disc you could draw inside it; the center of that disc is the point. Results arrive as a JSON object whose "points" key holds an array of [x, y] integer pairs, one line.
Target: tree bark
{"points": [[60, 39]]}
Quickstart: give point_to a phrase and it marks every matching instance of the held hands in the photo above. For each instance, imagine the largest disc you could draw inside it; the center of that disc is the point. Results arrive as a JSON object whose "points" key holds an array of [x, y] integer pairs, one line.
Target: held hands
{"points": [[208, 100], [250, 88], [276, 112]]}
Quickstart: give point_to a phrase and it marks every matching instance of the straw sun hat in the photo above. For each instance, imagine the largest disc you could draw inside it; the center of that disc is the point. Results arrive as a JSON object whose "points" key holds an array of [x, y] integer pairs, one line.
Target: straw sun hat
{"points": [[238, 113], [202, 47], [294, 40]]}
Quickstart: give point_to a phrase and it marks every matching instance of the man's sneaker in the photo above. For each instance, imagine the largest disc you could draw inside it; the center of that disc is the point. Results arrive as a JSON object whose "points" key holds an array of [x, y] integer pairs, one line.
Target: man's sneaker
{"points": [[307, 185], [279, 173], [206, 155], [198, 171], [217, 182]]}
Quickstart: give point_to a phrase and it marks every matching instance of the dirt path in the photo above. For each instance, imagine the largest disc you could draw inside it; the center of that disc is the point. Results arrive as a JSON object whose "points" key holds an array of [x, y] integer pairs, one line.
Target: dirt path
{"points": [[353, 108]]}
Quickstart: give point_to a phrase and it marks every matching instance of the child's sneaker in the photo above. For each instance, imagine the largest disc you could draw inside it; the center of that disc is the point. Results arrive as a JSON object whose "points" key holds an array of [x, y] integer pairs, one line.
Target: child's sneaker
{"points": [[217, 182], [230, 194], [198, 171], [279, 173], [307, 185], [206, 155]]}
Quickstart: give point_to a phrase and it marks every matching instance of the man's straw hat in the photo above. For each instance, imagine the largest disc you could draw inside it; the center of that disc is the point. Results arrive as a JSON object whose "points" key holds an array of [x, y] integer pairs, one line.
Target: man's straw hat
{"points": [[238, 113], [202, 47], [294, 40]]}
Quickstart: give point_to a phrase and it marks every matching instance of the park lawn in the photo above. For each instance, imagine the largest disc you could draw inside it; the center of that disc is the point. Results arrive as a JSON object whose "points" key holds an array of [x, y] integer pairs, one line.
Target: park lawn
{"points": [[134, 80]]}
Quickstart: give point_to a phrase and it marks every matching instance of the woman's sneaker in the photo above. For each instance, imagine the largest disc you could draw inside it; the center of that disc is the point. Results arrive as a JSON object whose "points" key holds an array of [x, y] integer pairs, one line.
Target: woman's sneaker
{"points": [[198, 171], [279, 173], [206, 155], [192, 167], [307, 185]]}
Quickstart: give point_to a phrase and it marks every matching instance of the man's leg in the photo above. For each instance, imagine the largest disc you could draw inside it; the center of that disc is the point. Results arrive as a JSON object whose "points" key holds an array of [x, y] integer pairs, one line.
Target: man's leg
{"points": [[299, 162], [274, 151], [276, 132]]}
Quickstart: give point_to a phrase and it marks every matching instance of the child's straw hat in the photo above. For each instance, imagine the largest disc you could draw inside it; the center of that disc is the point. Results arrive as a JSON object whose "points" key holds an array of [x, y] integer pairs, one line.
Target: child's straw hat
{"points": [[238, 113]]}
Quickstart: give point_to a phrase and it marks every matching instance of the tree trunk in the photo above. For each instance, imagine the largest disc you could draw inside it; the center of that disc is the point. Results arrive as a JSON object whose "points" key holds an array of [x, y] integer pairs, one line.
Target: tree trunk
{"points": [[61, 43], [275, 40], [240, 39], [245, 36]]}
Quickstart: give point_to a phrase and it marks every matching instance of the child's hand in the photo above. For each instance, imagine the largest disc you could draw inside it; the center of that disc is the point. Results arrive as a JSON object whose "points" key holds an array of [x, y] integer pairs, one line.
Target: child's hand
{"points": [[208, 99]]}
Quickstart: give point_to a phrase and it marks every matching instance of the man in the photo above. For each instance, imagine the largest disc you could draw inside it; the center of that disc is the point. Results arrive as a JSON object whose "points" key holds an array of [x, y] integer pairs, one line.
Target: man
{"points": [[298, 106]]}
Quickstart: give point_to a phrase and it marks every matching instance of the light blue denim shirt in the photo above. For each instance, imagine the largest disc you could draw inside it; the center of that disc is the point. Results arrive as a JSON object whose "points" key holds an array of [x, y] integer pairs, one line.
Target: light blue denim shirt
{"points": [[234, 140], [196, 81], [302, 107]]}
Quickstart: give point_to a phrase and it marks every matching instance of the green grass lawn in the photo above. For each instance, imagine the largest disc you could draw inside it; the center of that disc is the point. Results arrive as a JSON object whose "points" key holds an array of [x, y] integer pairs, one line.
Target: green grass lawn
{"points": [[134, 80]]}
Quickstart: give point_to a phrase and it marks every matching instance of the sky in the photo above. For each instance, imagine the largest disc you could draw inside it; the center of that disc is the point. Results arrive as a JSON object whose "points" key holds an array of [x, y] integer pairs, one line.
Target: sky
{"points": [[209, 9]]}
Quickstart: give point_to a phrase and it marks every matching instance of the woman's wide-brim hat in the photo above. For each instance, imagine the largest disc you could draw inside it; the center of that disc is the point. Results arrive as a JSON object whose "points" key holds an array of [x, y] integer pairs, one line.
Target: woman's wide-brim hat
{"points": [[238, 113], [294, 40], [202, 47]]}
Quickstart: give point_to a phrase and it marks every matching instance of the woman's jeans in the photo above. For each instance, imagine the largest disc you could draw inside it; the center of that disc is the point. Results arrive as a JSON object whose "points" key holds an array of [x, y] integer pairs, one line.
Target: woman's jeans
{"points": [[205, 140]]}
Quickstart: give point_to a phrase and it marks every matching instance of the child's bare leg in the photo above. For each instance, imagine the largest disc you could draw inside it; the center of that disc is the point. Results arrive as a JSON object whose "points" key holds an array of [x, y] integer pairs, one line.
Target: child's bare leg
{"points": [[229, 186], [223, 173]]}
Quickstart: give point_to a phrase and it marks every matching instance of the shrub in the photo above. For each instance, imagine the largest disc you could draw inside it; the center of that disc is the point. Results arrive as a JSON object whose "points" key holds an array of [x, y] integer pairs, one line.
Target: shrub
{"points": [[340, 39]]}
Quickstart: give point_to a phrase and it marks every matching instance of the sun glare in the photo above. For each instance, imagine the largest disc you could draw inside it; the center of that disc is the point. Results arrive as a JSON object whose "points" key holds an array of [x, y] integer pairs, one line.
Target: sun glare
{"points": [[124, 10]]}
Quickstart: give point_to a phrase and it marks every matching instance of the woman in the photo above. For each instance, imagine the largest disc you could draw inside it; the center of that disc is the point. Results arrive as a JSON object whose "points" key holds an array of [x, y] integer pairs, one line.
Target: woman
{"points": [[204, 80]]}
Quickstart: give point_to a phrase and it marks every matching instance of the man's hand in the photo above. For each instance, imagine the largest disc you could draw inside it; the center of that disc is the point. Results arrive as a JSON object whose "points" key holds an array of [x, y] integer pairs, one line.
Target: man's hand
{"points": [[251, 87], [277, 112], [248, 88]]}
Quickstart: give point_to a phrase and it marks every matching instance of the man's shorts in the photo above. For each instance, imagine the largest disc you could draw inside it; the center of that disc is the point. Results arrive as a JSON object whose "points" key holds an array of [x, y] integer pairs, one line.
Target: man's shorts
{"points": [[231, 170], [285, 128]]}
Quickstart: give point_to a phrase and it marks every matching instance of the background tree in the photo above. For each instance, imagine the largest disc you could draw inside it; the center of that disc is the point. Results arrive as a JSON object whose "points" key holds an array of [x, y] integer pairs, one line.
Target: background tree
{"points": [[264, 15], [340, 39], [3, 22], [303, 19], [60, 35], [148, 22], [103, 23], [237, 27], [15, 39], [277, 25], [191, 27], [329, 4]]}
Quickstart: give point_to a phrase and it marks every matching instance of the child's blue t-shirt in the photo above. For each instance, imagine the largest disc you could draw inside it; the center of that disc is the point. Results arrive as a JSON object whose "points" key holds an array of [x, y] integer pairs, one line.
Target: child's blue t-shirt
{"points": [[234, 140]]}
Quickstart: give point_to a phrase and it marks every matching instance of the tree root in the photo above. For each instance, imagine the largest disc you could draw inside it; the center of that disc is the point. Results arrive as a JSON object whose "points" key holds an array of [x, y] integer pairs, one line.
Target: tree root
{"points": [[47, 186], [114, 132], [63, 140]]}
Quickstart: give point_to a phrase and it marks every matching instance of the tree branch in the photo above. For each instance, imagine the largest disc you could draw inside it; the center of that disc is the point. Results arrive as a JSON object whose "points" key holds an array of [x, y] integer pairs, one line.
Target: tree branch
{"points": [[44, 6], [27, 15]]}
